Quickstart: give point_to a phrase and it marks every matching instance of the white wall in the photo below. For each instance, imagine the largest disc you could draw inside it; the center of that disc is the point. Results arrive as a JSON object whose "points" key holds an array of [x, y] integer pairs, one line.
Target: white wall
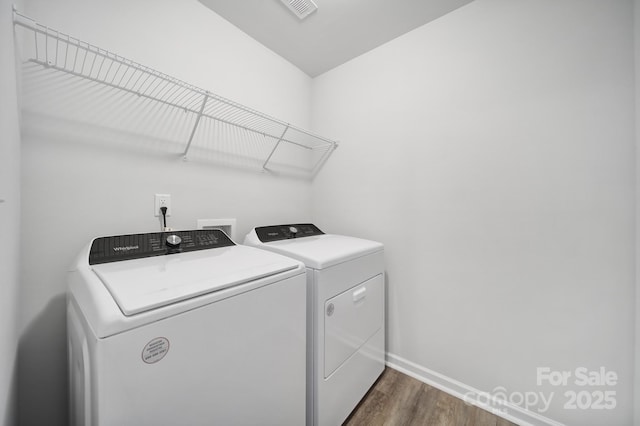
{"points": [[80, 181], [492, 151], [9, 216], [504, 131], [636, 27]]}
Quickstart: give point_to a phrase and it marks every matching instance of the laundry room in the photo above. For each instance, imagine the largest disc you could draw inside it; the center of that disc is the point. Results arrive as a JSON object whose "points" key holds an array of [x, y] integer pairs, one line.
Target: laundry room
{"points": [[490, 147]]}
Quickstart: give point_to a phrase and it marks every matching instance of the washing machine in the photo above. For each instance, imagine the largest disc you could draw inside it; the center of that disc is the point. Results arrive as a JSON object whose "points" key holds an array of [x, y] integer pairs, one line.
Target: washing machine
{"points": [[185, 328], [345, 307]]}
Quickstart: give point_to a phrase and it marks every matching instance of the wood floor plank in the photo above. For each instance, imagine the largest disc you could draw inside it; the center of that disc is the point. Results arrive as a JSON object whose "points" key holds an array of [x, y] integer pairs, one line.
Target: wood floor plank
{"points": [[403, 400], [482, 417], [388, 379], [371, 411], [426, 404], [399, 400]]}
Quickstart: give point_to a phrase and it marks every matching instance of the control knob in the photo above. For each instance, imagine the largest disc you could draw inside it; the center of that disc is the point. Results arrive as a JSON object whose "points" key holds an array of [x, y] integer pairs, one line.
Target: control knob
{"points": [[173, 241], [293, 231]]}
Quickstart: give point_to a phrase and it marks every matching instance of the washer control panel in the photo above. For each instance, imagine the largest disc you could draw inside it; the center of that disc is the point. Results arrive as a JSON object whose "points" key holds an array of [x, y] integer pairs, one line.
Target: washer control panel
{"points": [[136, 246], [268, 234]]}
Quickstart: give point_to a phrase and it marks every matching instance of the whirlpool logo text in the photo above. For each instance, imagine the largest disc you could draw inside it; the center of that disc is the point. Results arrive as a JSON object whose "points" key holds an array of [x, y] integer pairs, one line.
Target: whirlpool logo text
{"points": [[126, 248]]}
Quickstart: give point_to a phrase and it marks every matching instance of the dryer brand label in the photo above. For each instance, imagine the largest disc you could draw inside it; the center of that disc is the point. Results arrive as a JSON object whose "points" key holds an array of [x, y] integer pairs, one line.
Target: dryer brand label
{"points": [[126, 248], [155, 350]]}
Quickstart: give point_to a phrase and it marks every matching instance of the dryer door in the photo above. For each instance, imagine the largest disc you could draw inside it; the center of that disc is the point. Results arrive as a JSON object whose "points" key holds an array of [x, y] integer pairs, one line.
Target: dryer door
{"points": [[350, 319]]}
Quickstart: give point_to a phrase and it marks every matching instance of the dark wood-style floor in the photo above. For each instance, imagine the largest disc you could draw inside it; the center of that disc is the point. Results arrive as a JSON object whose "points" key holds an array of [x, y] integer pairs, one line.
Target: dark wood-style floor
{"points": [[397, 399]]}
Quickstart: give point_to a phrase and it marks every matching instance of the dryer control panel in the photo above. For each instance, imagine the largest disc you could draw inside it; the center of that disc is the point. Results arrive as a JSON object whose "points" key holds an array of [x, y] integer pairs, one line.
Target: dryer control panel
{"points": [[135, 246], [267, 234]]}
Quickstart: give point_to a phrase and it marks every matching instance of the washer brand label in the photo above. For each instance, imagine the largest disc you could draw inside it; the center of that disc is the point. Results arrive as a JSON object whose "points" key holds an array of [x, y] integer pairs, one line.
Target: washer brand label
{"points": [[155, 350], [126, 248]]}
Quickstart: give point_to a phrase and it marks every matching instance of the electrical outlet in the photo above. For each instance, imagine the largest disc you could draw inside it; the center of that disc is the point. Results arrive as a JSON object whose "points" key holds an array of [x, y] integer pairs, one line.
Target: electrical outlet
{"points": [[162, 200]]}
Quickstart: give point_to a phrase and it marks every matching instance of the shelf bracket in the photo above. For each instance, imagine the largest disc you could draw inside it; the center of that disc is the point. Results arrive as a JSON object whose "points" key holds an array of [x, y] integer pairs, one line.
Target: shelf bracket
{"points": [[324, 158], [264, 166], [195, 125]]}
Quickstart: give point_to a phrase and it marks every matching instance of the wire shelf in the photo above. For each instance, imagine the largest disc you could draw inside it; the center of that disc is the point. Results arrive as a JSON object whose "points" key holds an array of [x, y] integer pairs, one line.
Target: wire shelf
{"points": [[53, 50]]}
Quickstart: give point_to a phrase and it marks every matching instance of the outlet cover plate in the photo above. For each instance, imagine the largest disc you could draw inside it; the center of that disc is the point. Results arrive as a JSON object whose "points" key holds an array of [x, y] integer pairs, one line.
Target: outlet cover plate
{"points": [[162, 200]]}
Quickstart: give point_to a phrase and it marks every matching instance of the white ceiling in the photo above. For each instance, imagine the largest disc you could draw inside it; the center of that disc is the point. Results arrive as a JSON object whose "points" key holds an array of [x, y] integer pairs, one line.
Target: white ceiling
{"points": [[338, 31]]}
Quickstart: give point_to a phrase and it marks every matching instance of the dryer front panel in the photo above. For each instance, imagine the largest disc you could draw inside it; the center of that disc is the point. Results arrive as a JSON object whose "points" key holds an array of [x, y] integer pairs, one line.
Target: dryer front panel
{"points": [[350, 319]]}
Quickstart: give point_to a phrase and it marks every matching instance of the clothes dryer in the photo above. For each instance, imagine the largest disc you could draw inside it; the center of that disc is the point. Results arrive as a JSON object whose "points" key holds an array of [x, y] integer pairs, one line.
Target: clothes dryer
{"points": [[345, 314]]}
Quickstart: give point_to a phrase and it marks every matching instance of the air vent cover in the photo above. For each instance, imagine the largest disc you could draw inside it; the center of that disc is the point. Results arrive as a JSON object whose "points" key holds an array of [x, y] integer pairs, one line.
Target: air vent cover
{"points": [[301, 8]]}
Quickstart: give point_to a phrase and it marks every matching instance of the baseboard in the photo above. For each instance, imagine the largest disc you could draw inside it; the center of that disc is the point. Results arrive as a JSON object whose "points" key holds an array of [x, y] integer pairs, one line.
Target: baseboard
{"points": [[499, 407]]}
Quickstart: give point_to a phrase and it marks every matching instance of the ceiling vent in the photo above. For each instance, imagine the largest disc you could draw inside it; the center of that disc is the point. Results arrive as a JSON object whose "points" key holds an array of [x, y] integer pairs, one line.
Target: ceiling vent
{"points": [[301, 8]]}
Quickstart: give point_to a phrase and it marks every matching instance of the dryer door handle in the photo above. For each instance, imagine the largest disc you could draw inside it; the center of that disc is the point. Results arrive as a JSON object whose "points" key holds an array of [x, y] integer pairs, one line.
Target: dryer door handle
{"points": [[359, 294]]}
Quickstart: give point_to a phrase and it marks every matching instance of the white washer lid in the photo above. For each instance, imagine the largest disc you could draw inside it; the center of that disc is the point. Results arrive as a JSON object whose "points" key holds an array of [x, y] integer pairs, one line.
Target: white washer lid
{"points": [[143, 284], [323, 251]]}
